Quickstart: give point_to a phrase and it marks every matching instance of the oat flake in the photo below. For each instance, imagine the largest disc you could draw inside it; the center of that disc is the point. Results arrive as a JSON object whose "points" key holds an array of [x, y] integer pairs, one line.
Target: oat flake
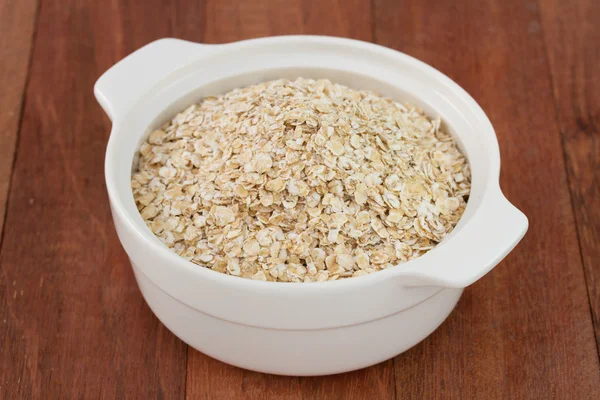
{"points": [[300, 181]]}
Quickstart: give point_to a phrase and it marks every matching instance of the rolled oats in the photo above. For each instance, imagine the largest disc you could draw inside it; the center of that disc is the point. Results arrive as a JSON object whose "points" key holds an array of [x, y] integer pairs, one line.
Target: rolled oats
{"points": [[300, 181]]}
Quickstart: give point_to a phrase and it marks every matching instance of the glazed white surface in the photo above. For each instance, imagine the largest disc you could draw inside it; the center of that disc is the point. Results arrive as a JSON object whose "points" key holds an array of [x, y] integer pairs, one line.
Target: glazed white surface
{"points": [[148, 87]]}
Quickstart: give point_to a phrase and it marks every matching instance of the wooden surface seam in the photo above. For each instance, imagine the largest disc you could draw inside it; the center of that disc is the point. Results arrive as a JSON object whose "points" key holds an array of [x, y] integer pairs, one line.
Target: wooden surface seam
{"points": [[573, 56], [73, 323], [17, 20]]}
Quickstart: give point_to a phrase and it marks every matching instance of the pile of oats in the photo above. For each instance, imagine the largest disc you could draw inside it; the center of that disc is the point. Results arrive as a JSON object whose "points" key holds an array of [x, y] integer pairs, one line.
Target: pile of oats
{"points": [[300, 181]]}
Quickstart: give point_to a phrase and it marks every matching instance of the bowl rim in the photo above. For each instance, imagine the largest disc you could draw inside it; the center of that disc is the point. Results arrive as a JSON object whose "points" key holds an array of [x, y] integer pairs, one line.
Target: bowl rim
{"points": [[176, 261]]}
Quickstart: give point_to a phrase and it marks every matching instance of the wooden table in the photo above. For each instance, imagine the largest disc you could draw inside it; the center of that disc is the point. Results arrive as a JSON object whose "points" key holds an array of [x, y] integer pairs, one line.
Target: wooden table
{"points": [[72, 321]]}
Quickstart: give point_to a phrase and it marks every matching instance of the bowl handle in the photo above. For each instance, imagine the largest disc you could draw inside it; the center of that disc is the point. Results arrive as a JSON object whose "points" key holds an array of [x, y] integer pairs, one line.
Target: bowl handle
{"points": [[119, 88], [494, 230]]}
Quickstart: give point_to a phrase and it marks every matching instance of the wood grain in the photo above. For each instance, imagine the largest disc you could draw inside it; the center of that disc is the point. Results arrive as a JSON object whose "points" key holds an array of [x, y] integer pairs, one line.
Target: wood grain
{"points": [[228, 21], [73, 323], [17, 20], [225, 22], [523, 331], [572, 37]]}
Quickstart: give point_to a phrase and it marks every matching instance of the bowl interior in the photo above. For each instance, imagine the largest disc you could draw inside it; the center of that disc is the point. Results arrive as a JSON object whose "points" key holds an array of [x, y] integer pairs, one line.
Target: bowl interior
{"points": [[408, 80]]}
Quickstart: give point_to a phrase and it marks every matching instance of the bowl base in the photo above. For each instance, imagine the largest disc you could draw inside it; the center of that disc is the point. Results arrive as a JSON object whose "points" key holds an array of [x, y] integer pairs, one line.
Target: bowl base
{"points": [[299, 352]]}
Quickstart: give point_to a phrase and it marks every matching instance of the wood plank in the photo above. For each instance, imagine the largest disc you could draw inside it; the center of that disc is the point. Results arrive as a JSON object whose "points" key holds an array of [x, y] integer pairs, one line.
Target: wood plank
{"points": [[226, 22], [229, 21], [572, 35], [72, 321], [73, 324], [17, 21], [523, 331]]}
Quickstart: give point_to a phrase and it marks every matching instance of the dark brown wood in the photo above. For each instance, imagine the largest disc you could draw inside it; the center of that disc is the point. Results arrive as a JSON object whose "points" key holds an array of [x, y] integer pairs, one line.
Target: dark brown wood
{"points": [[523, 331], [72, 321], [572, 36], [211, 379], [226, 22], [17, 20]]}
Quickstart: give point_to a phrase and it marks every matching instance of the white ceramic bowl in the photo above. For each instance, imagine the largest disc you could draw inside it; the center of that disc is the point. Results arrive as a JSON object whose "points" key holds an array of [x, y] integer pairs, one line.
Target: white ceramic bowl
{"points": [[311, 328]]}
